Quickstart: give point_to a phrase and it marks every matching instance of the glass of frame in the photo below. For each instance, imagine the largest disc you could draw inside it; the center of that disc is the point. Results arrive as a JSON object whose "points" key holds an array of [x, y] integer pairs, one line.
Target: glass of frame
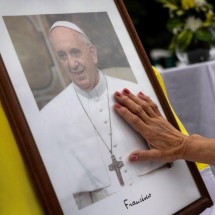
{"points": [[60, 64]]}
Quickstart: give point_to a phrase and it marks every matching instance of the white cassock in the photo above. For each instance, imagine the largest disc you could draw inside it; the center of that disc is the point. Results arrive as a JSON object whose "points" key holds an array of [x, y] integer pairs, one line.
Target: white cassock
{"points": [[76, 158]]}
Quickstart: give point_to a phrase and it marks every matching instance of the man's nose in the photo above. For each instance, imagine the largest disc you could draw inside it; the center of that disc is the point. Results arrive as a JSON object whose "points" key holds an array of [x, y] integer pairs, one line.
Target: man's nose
{"points": [[72, 62]]}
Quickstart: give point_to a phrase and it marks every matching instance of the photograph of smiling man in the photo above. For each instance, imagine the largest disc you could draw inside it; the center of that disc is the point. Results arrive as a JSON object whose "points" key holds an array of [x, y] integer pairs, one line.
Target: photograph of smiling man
{"points": [[84, 111]]}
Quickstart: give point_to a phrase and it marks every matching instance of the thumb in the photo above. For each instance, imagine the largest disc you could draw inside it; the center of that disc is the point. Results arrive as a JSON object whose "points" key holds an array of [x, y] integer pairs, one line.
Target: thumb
{"points": [[142, 155]]}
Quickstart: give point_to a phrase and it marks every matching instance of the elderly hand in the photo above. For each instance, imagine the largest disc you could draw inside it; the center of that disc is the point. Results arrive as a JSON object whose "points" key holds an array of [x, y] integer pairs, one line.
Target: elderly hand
{"points": [[167, 143]]}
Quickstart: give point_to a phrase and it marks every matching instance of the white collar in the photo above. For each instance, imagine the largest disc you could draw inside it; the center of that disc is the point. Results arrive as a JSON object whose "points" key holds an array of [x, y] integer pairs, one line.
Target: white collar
{"points": [[97, 91]]}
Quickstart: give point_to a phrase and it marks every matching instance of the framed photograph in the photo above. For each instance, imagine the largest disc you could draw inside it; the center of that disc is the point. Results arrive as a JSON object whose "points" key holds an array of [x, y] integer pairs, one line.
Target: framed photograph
{"points": [[61, 62]]}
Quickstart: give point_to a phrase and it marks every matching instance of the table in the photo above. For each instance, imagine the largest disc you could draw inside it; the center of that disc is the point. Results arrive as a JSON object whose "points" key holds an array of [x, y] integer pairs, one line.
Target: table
{"points": [[191, 91]]}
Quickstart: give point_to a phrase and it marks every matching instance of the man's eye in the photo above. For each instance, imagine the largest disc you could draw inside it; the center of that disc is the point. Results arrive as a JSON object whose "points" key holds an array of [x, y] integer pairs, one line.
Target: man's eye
{"points": [[62, 56]]}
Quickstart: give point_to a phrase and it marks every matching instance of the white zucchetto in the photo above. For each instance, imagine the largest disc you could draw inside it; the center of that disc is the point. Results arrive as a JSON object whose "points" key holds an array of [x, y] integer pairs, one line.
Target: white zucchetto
{"points": [[67, 24]]}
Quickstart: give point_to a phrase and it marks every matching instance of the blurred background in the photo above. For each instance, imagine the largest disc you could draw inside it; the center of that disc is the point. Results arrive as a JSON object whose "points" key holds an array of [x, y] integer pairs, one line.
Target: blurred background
{"points": [[150, 20]]}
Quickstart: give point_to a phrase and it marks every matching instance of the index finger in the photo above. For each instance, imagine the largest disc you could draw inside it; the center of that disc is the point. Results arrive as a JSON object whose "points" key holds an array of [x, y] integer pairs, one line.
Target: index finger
{"points": [[132, 106], [133, 120]]}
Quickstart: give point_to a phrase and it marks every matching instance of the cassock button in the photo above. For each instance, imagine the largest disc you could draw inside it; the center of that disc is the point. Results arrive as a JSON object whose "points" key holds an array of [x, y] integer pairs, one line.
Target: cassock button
{"points": [[130, 184], [120, 158], [105, 122], [101, 110], [115, 145], [125, 171]]}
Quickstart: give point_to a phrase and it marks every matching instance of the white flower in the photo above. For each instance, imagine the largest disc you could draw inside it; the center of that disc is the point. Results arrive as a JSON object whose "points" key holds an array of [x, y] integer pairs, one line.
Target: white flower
{"points": [[193, 23], [176, 30], [199, 3]]}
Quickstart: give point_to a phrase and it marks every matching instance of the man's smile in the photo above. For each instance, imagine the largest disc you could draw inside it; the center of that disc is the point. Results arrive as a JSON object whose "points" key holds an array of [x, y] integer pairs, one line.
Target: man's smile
{"points": [[77, 72]]}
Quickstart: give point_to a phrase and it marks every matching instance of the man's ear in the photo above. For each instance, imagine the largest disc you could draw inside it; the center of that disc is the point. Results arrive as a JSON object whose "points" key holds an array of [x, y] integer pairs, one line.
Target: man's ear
{"points": [[93, 53]]}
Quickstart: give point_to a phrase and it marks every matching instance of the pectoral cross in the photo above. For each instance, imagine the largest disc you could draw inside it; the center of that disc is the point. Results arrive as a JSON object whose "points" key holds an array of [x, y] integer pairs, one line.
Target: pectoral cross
{"points": [[115, 166]]}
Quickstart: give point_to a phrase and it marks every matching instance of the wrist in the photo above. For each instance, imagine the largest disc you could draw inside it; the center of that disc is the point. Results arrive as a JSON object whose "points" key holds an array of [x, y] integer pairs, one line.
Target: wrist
{"points": [[187, 146], [192, 147]]}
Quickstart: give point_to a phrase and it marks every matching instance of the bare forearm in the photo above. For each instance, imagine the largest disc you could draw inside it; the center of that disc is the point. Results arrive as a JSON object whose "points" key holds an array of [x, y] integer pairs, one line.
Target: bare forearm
{"points": [[200, 149]]}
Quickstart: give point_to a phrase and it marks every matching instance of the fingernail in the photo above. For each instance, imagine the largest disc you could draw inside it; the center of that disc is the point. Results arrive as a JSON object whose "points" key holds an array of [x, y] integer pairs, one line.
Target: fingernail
{"points": [[141, 93], [134, 157], [118, 94], [117, 105], [126, 91]]}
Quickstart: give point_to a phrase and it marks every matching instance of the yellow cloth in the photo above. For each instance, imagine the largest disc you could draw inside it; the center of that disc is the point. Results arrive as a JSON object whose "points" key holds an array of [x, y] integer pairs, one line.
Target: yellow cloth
{"points": [[17, 197]]}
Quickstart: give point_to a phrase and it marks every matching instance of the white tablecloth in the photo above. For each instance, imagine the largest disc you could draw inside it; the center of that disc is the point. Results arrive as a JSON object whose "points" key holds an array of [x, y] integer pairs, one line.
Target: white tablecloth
{"points": [[191, 91]]}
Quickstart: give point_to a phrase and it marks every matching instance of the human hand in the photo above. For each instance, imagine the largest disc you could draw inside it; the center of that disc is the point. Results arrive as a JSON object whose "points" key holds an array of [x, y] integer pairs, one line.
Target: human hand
{"points": [[166, 142]]}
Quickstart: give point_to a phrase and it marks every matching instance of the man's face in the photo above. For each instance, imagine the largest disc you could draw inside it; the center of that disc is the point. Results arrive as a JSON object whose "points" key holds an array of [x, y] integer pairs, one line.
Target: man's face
{"points": [[78, 58]]}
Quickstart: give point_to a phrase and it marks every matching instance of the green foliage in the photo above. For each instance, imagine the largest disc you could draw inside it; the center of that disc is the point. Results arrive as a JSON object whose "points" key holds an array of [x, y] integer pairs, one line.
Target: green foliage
{"points": [[184, 39], [204, 35], [191, 22]]}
